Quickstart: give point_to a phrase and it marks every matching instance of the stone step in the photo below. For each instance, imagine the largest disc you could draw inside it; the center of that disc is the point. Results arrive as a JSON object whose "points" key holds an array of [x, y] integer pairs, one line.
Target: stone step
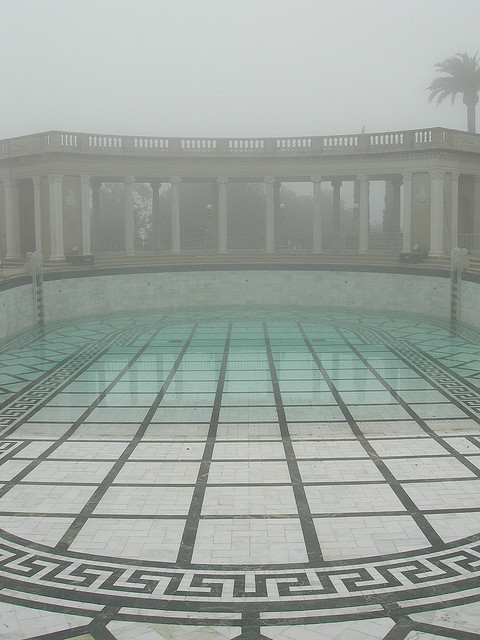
{"points": [[113, 261]]}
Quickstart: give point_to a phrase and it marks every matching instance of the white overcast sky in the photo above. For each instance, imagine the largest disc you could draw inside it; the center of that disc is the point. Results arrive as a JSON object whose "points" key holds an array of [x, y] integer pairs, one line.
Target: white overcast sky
{"points": [[228, 67]]}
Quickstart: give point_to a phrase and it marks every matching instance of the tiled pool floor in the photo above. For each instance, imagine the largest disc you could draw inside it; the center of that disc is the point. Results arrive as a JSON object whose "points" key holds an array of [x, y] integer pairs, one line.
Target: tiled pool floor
{"points": [[289, 474]]}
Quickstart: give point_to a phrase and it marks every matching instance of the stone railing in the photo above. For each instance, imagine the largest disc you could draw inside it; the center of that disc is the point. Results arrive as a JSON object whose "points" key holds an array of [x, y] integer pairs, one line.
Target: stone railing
{"points": [[92, 143]]}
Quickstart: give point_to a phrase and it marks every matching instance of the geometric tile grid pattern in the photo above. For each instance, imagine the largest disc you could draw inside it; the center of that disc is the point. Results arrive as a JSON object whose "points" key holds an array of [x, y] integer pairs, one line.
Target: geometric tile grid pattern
{"points": [[241, 473]]}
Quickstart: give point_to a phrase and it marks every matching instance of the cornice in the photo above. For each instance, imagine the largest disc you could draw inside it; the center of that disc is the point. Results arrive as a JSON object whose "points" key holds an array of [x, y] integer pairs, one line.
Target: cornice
{"points": [[260, 165]]}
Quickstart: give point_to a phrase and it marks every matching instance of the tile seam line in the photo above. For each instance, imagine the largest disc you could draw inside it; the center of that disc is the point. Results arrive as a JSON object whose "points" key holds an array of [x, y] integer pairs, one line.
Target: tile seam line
{"points": [[413, 414], [425, 527], [102, 350], [74, 529], [187, 543], [312, 544]]}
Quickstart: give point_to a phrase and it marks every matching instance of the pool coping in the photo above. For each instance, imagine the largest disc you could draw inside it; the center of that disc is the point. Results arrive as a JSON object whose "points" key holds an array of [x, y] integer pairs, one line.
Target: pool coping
{"points": [[61, 274]]}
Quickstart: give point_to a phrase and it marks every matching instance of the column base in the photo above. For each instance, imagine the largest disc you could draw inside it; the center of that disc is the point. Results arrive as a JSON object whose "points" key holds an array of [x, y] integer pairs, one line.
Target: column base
{"points": [[436, 254], [57, 258]]}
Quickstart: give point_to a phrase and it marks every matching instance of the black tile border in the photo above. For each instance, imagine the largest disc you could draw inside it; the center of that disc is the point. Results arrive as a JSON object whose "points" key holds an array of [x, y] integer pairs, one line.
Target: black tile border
{"points": [[48, 276]]}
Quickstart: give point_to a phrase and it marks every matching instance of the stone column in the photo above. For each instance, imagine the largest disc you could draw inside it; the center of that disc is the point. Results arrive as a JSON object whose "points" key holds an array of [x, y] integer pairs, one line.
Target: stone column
{"points": [[97, 236], [391, 218], [129, 221], [12, 219], [317, 213], [156, 234], [363, 214], [454, 219], [55, 184], [407, 213], [278, 217], [270, 213], [476, 207], [85, 200], [337, 185], [37, 213], [222, 214], [436, 213], [175, 213]]}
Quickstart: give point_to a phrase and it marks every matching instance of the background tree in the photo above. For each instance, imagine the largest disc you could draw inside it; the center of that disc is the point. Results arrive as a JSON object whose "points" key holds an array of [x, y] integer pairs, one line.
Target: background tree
{"points": [[199, 216], [463, 76]]}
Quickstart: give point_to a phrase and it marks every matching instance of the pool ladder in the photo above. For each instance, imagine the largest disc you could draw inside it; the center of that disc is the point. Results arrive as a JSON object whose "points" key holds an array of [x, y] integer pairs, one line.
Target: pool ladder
{"points": [[34, 268], [459, 262]]}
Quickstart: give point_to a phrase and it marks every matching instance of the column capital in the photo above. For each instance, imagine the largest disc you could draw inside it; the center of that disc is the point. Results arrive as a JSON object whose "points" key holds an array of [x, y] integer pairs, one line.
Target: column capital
{"points": [[407, 176], [362, 177], [175, 180], [36, 180], [85, 180], [269, 180], [476, 178], [316, 178], [336, 183], [222, 180], [129, 179], [56, 178], [455, 176], [437, 174]]}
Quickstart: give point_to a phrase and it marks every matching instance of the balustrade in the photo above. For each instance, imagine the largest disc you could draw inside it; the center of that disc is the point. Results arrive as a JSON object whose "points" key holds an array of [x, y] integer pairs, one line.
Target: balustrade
{"points": [[105, 142], [295, 146], [198, 144], [339, 142], [382, 139], [153, 144], [245, 145], [424, 136], [469, 241], [69, 139]]}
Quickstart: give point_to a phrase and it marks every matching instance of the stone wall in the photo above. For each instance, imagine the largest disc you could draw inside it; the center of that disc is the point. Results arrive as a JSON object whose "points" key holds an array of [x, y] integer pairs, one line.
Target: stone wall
{"points": [[99, 294], [470, 303], [16, 310], [79, 296]]}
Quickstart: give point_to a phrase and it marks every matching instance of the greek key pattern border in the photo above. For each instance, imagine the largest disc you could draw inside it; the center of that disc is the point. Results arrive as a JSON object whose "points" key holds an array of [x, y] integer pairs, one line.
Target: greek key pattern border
{"points": [[154, 587], [19, 409], [462, 393]]}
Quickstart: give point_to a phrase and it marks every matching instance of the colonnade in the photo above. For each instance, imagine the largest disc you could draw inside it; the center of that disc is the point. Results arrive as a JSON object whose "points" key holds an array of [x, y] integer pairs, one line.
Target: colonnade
{"points": [[402, 208]]}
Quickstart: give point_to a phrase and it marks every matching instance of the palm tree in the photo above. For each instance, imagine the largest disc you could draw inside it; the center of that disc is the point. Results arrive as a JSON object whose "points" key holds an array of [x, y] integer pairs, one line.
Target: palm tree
{"points": [[463, 77]]}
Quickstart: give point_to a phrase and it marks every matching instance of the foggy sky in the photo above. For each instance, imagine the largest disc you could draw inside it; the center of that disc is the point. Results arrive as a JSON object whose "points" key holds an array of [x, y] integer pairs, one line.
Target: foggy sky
{"points": [[228, 67]]}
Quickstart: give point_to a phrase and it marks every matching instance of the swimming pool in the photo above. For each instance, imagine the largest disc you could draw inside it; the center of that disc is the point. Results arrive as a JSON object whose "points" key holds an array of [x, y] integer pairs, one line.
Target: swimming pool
{"points": [[250, 470]]}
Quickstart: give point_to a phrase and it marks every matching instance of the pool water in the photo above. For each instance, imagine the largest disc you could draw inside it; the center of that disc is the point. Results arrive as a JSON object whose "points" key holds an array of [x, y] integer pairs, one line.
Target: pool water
{"points": [[242, 470]]}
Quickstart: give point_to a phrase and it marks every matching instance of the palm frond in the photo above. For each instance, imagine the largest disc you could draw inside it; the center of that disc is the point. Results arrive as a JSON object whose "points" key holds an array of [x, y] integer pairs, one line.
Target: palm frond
{"points": [[463, 77]]}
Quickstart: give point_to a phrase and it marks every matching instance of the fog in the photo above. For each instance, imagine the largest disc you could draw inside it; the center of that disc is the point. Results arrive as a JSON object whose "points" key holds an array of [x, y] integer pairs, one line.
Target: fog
{"points": [[228, 67]]}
